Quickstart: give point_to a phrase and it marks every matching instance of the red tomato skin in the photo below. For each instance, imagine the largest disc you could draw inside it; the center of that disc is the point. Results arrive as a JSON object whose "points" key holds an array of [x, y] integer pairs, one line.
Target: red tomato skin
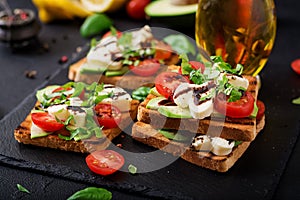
{"points": [[261, 109], [296, 66], [146, 67], [167, 82], [104, 162], [119, 34], [136, 9], [105, 119], [46, 122], [197, 65], [163, 51], [238, 109]]}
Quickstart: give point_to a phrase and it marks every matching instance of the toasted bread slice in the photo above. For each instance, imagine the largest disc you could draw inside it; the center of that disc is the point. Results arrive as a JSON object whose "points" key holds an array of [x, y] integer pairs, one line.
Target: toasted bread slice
{"points": [[128, 81], [146, 134], [243, 129], [22, 135]]}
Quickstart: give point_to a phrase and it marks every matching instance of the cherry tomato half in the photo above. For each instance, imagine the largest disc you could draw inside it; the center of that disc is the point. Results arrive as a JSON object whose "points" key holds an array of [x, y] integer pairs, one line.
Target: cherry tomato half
{"points": [[261, 109], [167, 82], [104, 162], [46, 122], [118, 34], [296, 66], [195, 65], [237, 109], [136, 9], [146, 67], [107, 115]]}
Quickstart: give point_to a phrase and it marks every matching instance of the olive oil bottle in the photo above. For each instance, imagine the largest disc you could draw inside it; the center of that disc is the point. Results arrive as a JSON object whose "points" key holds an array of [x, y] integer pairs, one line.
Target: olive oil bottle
{"points": [[241, 31]]}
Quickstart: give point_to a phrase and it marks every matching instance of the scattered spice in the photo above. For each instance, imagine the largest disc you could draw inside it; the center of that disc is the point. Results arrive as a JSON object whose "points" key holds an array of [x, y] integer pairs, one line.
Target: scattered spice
{"points": [[78, 49], [120, 145], [30, 74], [63, 60]]}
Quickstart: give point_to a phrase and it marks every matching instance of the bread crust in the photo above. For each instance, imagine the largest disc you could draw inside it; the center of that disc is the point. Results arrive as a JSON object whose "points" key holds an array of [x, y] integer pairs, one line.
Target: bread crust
{"points": [[230, 128], [22, 135], [146, 134]]}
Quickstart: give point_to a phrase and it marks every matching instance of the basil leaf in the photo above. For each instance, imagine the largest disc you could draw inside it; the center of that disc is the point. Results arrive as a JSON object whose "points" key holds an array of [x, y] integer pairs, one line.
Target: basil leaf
{"points": [[186, 67], [92, 193], [22, 188], [132, 169], [296, 101], [197, 77], [140, 93], [180, 44], [93, 42], [236, 143], [125, 40], [223, 66], [79, 87]]}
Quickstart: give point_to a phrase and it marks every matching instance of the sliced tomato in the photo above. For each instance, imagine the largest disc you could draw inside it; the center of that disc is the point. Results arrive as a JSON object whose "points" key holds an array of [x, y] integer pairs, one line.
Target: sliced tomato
{"points": [[46, 122], [61, 89], [104, 162], [197, 65], [237, 109], [107, 115], [167, 82], [261, 109], [296, 66], [146, 67], [163, 51]]}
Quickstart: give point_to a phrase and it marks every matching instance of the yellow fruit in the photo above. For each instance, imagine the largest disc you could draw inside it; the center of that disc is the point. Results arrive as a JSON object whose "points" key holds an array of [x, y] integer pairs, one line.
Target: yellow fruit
{"points": [[103, 5], [50, 10]]}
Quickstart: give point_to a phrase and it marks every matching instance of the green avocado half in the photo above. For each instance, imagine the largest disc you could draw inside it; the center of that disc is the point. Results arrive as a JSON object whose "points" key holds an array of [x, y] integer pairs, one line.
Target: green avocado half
{"points": [[174, 16], [164, 8]]}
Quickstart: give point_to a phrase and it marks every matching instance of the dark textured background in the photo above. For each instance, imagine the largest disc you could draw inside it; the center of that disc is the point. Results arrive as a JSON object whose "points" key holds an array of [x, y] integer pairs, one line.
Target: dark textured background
{"points": [[269, 168]]}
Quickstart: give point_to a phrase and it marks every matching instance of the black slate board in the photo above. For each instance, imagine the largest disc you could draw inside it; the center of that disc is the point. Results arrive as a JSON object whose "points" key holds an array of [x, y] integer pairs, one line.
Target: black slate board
{"points": [[254, 176]]}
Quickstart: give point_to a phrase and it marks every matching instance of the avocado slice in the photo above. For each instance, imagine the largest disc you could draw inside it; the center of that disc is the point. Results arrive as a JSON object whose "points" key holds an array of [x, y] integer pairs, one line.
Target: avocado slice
{"points": [[155, 92], [174, 112], [117, 72], [154, 103], [165, 8], [47, 90], [85, 69], [172, 135]]}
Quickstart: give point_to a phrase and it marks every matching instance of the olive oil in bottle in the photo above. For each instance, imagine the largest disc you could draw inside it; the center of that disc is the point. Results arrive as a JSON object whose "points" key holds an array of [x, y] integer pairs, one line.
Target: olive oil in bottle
{"points": [[241, 31]]}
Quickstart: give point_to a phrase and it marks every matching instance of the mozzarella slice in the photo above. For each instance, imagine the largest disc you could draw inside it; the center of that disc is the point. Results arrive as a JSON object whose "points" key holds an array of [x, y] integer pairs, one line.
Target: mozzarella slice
{"points": [[75, 101], [36, 131], [236, 81], [79, 115], [120, 98], [221, 147], [182, 94], [202, 143], [101, 56], [59, 111], [202, 110]]}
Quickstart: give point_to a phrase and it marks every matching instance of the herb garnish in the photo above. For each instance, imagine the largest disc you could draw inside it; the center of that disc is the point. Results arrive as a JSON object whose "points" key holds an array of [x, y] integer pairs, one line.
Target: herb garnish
{"points": [[296, 101], [22, 188], [92, 193], [132, 169]]}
